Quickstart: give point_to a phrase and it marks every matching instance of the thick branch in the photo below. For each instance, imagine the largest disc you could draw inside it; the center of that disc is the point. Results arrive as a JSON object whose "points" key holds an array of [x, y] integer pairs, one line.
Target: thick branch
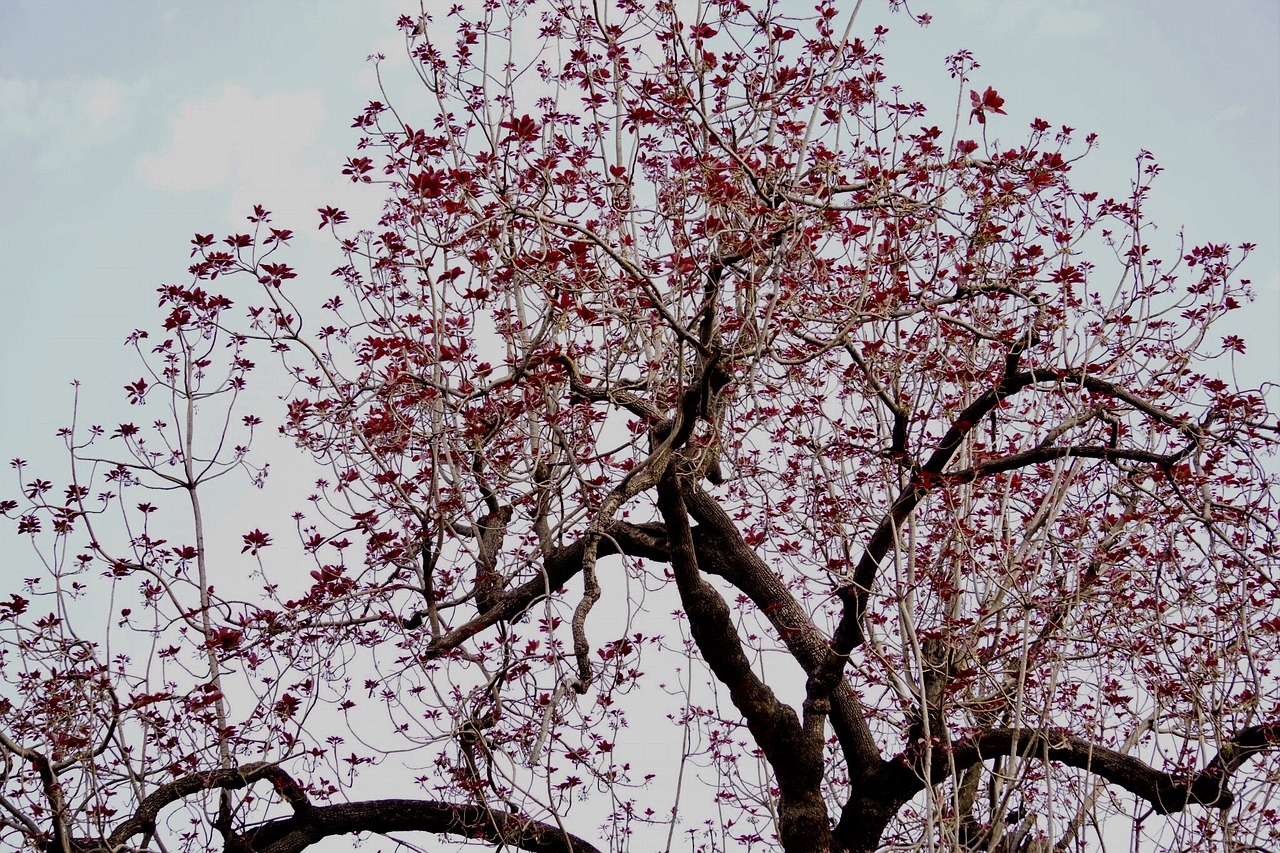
{"points": [[309, 824], [1245, 745], [492, 528], [722, 551], [1166, 792], [935, 673], [292, 835], [1101, 386], [636, 540], [793, 751], [1040, 455], [144, 816]]}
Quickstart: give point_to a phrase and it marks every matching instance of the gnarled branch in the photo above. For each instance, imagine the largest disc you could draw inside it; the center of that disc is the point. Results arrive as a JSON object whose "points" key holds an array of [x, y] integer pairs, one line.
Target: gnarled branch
{"points": [[1166, 792], [793, 750], [310, 824]]}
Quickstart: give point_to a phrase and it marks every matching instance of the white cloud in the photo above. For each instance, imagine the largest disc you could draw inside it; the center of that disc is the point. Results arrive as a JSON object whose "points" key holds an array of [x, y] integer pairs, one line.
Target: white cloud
{"points": [[60, 121], [1061, 21], [234, 139], [104, 105], [1052, 21], [275, 149], [1231, 112]]}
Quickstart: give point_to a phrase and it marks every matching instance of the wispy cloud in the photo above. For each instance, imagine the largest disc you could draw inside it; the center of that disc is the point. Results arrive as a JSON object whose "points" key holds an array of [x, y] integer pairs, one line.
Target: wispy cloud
{"points": [[1060, 21], [58, 122], [236, 138], [1041, 20], [1231, 112], [273, 149]]}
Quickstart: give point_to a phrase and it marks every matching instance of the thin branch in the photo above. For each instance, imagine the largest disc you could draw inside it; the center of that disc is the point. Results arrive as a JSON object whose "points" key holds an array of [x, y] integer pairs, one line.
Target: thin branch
{"points": [[848, 634]]}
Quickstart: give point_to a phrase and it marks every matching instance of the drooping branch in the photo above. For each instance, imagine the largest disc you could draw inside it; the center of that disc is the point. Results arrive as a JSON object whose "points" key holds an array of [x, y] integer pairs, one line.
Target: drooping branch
{"points": [[665, 439], [1101, 386], [636, 540]]}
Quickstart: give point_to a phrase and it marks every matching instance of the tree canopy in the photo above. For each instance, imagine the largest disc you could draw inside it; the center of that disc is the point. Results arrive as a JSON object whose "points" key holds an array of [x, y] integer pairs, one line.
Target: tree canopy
{"points": [[718, 451]]}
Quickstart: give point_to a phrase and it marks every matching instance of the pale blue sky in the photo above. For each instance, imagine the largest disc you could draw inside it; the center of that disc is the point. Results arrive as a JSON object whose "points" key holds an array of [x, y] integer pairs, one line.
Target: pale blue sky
{"points": [[127, 126]]}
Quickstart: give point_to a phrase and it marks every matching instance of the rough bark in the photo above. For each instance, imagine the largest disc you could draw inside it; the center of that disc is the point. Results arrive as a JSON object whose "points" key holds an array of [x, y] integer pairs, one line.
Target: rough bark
{"points": [[793, 748]]}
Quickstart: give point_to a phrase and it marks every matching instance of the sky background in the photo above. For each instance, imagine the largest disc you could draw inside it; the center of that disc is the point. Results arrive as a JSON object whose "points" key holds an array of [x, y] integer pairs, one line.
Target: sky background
{"points": [[127, 126]]}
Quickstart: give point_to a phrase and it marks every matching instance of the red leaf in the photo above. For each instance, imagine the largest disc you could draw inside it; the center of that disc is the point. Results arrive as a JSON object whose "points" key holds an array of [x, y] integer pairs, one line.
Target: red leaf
{"points": [[987, 102], [523, 129], [255, 540]]}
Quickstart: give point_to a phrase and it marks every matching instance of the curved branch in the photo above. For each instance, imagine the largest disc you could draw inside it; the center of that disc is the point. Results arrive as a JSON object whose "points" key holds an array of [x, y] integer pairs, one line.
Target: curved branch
{"points": [[636, 540], [309, 824], [143, 819], [1166, 792], [294, 834]]}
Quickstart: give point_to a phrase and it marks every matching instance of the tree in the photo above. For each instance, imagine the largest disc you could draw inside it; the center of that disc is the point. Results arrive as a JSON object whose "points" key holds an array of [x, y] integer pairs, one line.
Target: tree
{"points": [[969, 544]]}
